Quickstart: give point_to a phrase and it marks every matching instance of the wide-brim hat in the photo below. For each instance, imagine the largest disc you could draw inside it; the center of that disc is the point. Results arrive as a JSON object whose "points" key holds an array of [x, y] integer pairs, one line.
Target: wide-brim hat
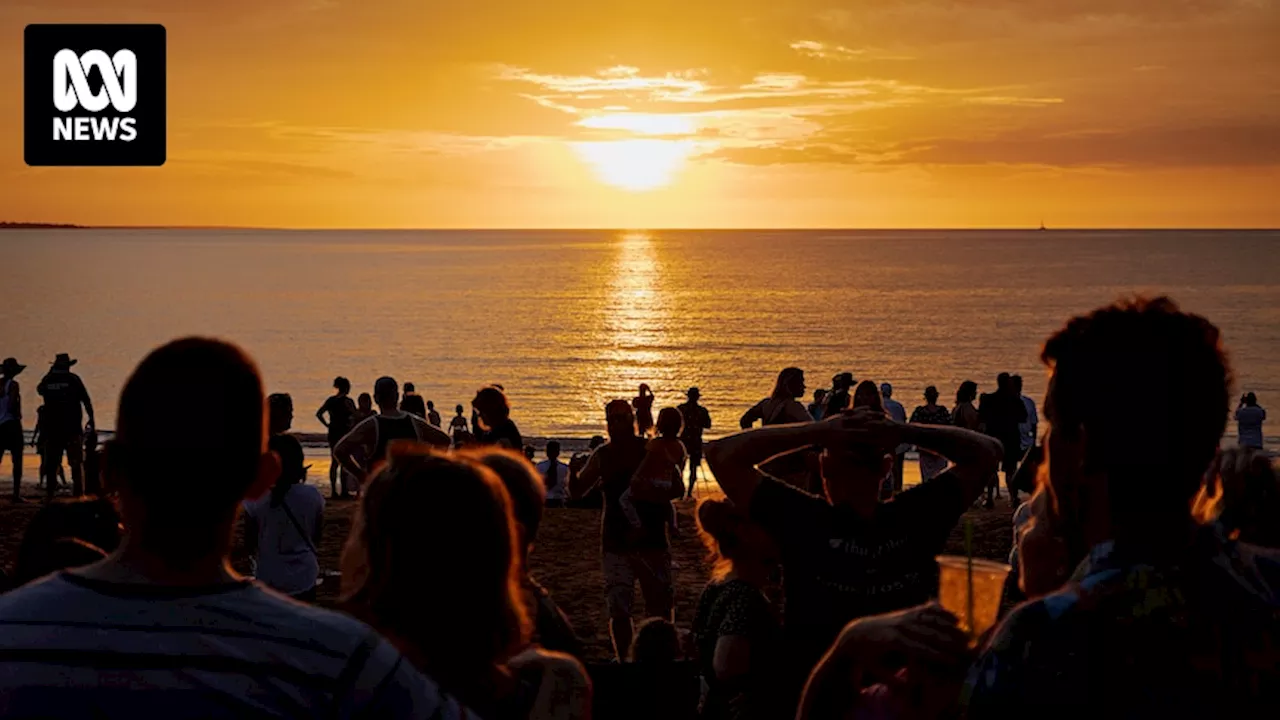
{"points": [[694, 392], [11, 367], [64, 360]]}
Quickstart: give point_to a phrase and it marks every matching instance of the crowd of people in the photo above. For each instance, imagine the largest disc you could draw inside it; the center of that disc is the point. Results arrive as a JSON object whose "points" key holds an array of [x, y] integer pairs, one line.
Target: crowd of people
{"points": [[1147, 561]]}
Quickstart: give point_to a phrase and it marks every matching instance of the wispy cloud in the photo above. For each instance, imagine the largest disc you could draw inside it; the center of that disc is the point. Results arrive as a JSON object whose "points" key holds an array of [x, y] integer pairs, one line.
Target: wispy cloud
{"points": [[840, 53]]}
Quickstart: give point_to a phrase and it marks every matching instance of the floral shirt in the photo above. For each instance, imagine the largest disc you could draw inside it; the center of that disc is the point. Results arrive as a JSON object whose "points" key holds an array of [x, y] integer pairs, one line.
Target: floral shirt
{"points": [[1196, 638]]}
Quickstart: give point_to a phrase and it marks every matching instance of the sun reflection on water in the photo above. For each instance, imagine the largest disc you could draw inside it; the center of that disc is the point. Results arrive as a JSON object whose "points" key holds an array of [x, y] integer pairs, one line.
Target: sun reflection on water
{"points": [[637, 314]]}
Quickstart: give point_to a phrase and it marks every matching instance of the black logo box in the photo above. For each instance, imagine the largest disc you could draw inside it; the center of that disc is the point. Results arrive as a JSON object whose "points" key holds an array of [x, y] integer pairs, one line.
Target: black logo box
{"points": [[41, 43]]}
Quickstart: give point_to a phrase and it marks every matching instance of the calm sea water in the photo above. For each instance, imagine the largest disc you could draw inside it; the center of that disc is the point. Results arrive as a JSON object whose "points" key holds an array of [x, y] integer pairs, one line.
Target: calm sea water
{"points": [[568, 320]]}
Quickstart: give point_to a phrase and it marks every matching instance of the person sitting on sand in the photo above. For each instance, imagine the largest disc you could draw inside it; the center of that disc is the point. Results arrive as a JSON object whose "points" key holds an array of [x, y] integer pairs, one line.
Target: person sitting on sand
{"points": [[495, 426], [781, 406], [195, 639], [642, 403], [737, 637], [696, 419], [551, 627], [337, 415], [659, 478], [458, 425], [629, 556], [412, 402], [1166, 617], [847, 554], [433, 562], [282, 529], [555, 475], [365, 447]]}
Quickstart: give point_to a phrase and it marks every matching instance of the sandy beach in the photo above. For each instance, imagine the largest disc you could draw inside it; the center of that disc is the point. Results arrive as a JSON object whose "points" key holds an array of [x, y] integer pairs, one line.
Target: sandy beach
{"points": [[566, 559]]}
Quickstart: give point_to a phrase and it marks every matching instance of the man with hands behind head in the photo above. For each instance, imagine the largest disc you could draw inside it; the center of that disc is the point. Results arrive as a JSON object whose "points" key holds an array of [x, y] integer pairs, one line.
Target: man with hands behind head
{"points": [[847, 555]]}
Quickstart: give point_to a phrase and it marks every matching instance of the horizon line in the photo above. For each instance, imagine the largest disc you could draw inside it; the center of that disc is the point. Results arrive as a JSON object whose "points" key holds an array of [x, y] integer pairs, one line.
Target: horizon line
{"points": [[11, 225]]}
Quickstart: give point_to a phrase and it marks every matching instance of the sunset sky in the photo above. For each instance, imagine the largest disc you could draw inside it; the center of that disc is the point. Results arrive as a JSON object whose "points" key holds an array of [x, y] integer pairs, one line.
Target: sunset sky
{"points": [[665, 113]]}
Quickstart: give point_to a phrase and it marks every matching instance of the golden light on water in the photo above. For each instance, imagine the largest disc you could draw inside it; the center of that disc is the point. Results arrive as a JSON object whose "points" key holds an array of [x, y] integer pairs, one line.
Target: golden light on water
{"points": [[638, 314]]}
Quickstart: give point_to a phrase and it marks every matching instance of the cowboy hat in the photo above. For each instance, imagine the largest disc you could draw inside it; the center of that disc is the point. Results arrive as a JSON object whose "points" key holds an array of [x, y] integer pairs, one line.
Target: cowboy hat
{"points": [[11, 367], [64, 360]]}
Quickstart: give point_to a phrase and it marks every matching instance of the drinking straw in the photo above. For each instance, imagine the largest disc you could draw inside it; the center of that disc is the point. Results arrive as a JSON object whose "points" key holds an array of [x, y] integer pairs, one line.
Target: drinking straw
{"points": [[968, 554]]}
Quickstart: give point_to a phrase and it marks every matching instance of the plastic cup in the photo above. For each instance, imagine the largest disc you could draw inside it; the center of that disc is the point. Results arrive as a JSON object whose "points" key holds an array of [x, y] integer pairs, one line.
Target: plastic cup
{"points": [[977, 606]]}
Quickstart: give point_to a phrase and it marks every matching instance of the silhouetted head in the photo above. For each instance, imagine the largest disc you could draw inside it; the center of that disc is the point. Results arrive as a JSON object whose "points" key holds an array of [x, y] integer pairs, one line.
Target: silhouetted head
{"points": [[386, 393], [931, 395], [11, 368], [458, 410], [598, 440], [433, 563], [620, 420], [1015, 383], [842, 381], [524, 487], [408, 388], [867, 395], [181, 470], [66, 533], [293, 468], [693, 394], [553, 449], [342, 385], [1250, 399], [670, 422], [431, 405], [967, 392], [529, 452], [732, 539], [886, 390], [491, 403], [1150, 470], [644, 388], [790, 383], [280, 413], [365, 402], [1004, 382], [819, 395], [657, 641]]}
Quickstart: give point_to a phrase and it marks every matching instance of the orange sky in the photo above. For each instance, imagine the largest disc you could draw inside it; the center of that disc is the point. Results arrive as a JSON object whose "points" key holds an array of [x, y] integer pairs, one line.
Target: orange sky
{"points": [[665, 113]]}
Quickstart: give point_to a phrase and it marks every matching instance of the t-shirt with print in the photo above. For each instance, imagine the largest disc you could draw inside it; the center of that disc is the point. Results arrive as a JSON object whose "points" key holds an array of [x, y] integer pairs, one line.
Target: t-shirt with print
{"points": [[286, 560], [63, 394], [73, 647], [619, 460], [838, 566]]}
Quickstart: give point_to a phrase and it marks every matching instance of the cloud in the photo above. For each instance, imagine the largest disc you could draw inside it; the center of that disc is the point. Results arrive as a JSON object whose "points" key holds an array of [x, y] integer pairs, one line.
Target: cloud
{"points": [[840, 53]]}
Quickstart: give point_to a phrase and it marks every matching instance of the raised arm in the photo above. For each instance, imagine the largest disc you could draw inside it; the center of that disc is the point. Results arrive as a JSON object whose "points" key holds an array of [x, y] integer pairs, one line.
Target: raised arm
{"points": [[734, 459], [975, 456]]}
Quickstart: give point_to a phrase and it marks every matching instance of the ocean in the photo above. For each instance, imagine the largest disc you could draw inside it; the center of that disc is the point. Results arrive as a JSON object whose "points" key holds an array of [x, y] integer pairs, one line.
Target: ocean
{"points": [[567, 320]]}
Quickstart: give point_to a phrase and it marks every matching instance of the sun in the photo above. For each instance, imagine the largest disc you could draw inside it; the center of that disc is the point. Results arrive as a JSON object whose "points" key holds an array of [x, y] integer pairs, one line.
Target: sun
{"points": [[635, 165]]}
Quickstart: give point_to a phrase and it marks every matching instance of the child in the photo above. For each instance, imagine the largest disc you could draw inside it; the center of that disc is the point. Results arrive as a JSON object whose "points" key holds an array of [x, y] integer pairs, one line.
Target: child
{"points": [[660, 477], [458, 427]]}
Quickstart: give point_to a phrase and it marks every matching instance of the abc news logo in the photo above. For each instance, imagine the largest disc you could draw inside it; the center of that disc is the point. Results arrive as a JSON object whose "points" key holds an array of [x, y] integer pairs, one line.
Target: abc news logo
{"points": [[95, 95]]}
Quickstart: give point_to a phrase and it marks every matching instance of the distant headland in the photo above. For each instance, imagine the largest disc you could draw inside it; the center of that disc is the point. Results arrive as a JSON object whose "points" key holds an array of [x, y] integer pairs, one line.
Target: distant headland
{"points": [[38, 226]]}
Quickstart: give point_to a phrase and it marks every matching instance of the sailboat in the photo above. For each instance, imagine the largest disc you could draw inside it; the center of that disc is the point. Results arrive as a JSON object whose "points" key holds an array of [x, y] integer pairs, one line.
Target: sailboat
{"points": [[1042, 227]]}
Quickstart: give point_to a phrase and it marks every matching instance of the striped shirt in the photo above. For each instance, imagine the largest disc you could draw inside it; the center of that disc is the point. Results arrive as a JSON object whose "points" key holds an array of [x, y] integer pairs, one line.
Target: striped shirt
{"points": [[75, 647]]}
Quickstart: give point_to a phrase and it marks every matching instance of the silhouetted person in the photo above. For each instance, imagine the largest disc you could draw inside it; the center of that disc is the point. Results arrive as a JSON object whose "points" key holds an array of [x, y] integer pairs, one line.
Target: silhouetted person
{"points": [[63, 422], [165, 610], [433, 417], [279, 413], [782, 405], [282, 529], [847, 554], [696, 420], [964, 414], [818, 408], [642, 403], [931, 413], [1029, 429], [365, 447], [458, 426], [1001, 413], [629, 556], [412, 402], [338, 417], [838, 399], [555, 476], [1249, 418], [11, 420], [496, 426], [1165, 617], [899, 414]]}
